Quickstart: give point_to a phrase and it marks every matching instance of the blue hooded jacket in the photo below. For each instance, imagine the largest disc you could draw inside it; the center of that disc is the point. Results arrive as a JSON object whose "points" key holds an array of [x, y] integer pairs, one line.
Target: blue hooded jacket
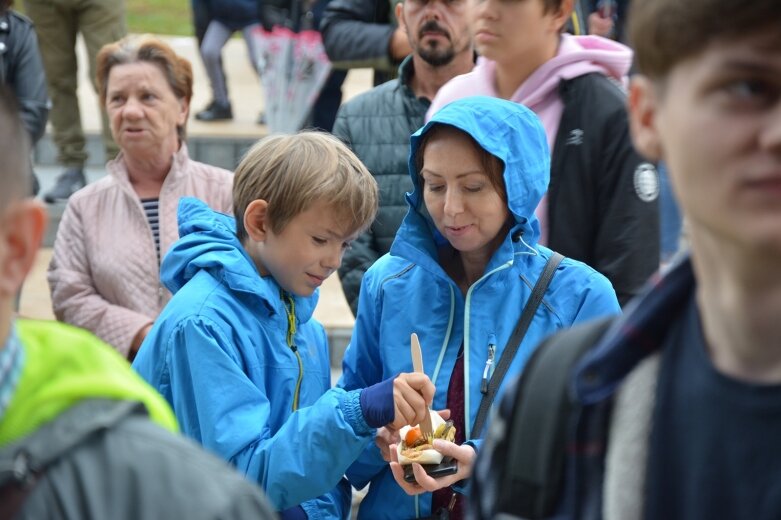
{"points": [[408, 291], [219, 355]]}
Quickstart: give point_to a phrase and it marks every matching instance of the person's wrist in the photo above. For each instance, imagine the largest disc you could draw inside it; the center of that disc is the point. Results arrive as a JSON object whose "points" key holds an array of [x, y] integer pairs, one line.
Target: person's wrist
{"points": [[377, 403], [135, 345]]}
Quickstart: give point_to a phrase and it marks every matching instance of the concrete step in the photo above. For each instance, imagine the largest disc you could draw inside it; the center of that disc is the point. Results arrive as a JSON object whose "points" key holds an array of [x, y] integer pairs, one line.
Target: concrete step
{"points": [[222, 151]]}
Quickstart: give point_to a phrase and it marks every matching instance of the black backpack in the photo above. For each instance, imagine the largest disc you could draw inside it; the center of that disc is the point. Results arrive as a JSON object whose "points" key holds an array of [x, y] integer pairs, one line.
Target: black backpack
{"points": [[520, 470]]}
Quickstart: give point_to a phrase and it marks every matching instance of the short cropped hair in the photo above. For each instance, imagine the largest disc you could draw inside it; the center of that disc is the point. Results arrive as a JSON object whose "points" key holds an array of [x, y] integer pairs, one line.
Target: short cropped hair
{"points": [[664, 33], [492, 165], [15, 172], [133, 49], [292, 172]]}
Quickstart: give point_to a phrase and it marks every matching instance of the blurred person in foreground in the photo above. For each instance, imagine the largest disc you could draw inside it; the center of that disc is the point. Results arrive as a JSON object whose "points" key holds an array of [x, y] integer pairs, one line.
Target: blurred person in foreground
{"points": [[678, 402], [104, 275], [81, 435]]}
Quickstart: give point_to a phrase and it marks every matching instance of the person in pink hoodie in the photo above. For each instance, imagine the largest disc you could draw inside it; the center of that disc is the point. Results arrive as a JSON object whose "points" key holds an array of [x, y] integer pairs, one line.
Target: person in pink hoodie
{"points": [[601, 207]]}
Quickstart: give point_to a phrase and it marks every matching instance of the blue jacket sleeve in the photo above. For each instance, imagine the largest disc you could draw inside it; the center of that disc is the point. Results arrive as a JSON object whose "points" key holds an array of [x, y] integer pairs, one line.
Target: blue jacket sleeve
{"points": [[217, 404], [335, 504], [363, 367], [600, 300]]}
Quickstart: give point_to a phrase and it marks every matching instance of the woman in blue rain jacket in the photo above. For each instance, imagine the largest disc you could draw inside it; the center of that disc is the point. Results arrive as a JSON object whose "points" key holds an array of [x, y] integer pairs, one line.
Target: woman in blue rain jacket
{"points": [[409, 290]]}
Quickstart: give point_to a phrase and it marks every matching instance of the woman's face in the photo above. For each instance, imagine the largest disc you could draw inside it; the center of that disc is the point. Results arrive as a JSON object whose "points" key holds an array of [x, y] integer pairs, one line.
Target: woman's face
{"points": [[143, 110], [466, 208]]}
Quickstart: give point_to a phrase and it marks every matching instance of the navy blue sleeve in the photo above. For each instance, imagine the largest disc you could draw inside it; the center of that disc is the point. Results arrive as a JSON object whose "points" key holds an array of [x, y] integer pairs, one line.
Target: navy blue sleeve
{"points": [[294, 513], [377, 403]]}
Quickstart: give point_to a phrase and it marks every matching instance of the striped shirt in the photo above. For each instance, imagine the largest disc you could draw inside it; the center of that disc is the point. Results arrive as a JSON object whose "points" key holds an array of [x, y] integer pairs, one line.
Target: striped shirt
{"points": [[11, 361], [151, 209]]}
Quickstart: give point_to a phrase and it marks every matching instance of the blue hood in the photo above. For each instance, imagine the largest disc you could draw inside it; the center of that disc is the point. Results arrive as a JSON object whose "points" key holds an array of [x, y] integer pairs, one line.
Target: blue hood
{"points": [[208, 242], [507, 130]]}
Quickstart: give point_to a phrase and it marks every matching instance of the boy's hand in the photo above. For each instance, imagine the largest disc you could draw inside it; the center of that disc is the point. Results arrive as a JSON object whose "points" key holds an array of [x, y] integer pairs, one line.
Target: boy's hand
{"points": [[137, 341], [412, 395]]}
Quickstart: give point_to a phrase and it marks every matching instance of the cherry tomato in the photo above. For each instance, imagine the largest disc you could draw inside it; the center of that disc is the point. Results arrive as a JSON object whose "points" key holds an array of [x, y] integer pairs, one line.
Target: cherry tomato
{"points": [[413, 436]]}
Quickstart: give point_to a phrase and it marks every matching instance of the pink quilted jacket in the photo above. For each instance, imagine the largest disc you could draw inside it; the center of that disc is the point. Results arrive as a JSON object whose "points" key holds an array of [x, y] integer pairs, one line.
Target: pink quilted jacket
{"points": [[104, 275]]}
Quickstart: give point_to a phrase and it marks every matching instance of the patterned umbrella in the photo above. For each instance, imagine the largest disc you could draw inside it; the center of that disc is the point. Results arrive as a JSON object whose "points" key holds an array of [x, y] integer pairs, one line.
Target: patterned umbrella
{"points": [[293, 68]]}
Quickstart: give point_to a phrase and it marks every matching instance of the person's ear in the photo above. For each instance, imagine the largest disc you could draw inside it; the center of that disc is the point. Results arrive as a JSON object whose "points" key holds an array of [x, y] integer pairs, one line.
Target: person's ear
{"points": [[184, 111], [643, 107], [256, 221], [399, 9], [21, 233], [562, 15]]}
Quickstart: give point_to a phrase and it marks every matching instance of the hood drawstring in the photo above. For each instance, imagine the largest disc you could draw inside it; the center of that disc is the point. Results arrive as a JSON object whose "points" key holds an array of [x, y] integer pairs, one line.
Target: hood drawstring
{"points": [[290, 310]]}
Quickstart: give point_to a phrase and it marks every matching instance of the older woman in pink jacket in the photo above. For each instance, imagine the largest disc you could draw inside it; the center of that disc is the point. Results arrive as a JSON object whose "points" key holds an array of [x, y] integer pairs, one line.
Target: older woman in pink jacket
{"points": [[104, 275]]}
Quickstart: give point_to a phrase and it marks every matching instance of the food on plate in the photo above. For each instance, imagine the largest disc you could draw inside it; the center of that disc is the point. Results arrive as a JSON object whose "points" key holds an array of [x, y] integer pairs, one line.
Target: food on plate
{"points": [[415, 447]]}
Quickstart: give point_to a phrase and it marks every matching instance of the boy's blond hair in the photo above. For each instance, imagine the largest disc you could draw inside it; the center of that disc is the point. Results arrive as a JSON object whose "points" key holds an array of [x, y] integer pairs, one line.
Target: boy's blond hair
{"points": [[292, 172]]}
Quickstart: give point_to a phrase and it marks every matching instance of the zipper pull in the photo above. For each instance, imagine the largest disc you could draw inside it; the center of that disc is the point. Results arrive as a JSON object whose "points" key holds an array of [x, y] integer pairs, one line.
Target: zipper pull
{"points": [[487, 370]]}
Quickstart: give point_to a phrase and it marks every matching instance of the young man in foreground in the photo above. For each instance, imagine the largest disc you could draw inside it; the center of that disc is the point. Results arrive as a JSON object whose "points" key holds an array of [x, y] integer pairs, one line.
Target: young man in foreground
{"points": [[679, 402], [81, 435]]}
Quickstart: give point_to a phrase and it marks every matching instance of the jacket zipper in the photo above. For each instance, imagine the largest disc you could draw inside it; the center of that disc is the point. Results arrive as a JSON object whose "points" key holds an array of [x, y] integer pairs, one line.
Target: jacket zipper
{"points": [[488, 364], [290, 310]]}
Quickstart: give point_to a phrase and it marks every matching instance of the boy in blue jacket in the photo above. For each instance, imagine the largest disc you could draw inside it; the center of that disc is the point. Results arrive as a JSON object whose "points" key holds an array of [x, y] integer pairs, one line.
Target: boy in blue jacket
{"points": [[236, 352]]}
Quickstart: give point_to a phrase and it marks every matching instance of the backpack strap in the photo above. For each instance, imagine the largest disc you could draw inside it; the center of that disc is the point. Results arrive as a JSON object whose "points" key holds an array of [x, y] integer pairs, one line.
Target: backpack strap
{"points": [[23, 463], [514, 343], [534, 457]]}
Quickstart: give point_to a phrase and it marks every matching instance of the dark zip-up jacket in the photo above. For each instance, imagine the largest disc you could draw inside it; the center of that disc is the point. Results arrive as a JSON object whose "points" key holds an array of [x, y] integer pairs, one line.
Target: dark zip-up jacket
{"points": [[357, 33], [234, 14], [603, 196], [21, 69], [377, 126]]}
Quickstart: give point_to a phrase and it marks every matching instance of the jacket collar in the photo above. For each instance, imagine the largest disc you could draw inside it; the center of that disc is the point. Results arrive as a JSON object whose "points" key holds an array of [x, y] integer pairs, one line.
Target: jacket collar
{"points": [[208, 243], [406, 71], [117, 168], [639, 332]]}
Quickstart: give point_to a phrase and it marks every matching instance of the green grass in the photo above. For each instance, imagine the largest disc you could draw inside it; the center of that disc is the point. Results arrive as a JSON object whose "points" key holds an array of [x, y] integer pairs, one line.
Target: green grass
{"points": [[159, 17], [153, 16]]}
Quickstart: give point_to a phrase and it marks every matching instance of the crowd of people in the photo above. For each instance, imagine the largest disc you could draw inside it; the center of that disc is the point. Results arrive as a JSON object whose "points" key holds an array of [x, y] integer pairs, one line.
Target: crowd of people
{"points": [[497, 197]]}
